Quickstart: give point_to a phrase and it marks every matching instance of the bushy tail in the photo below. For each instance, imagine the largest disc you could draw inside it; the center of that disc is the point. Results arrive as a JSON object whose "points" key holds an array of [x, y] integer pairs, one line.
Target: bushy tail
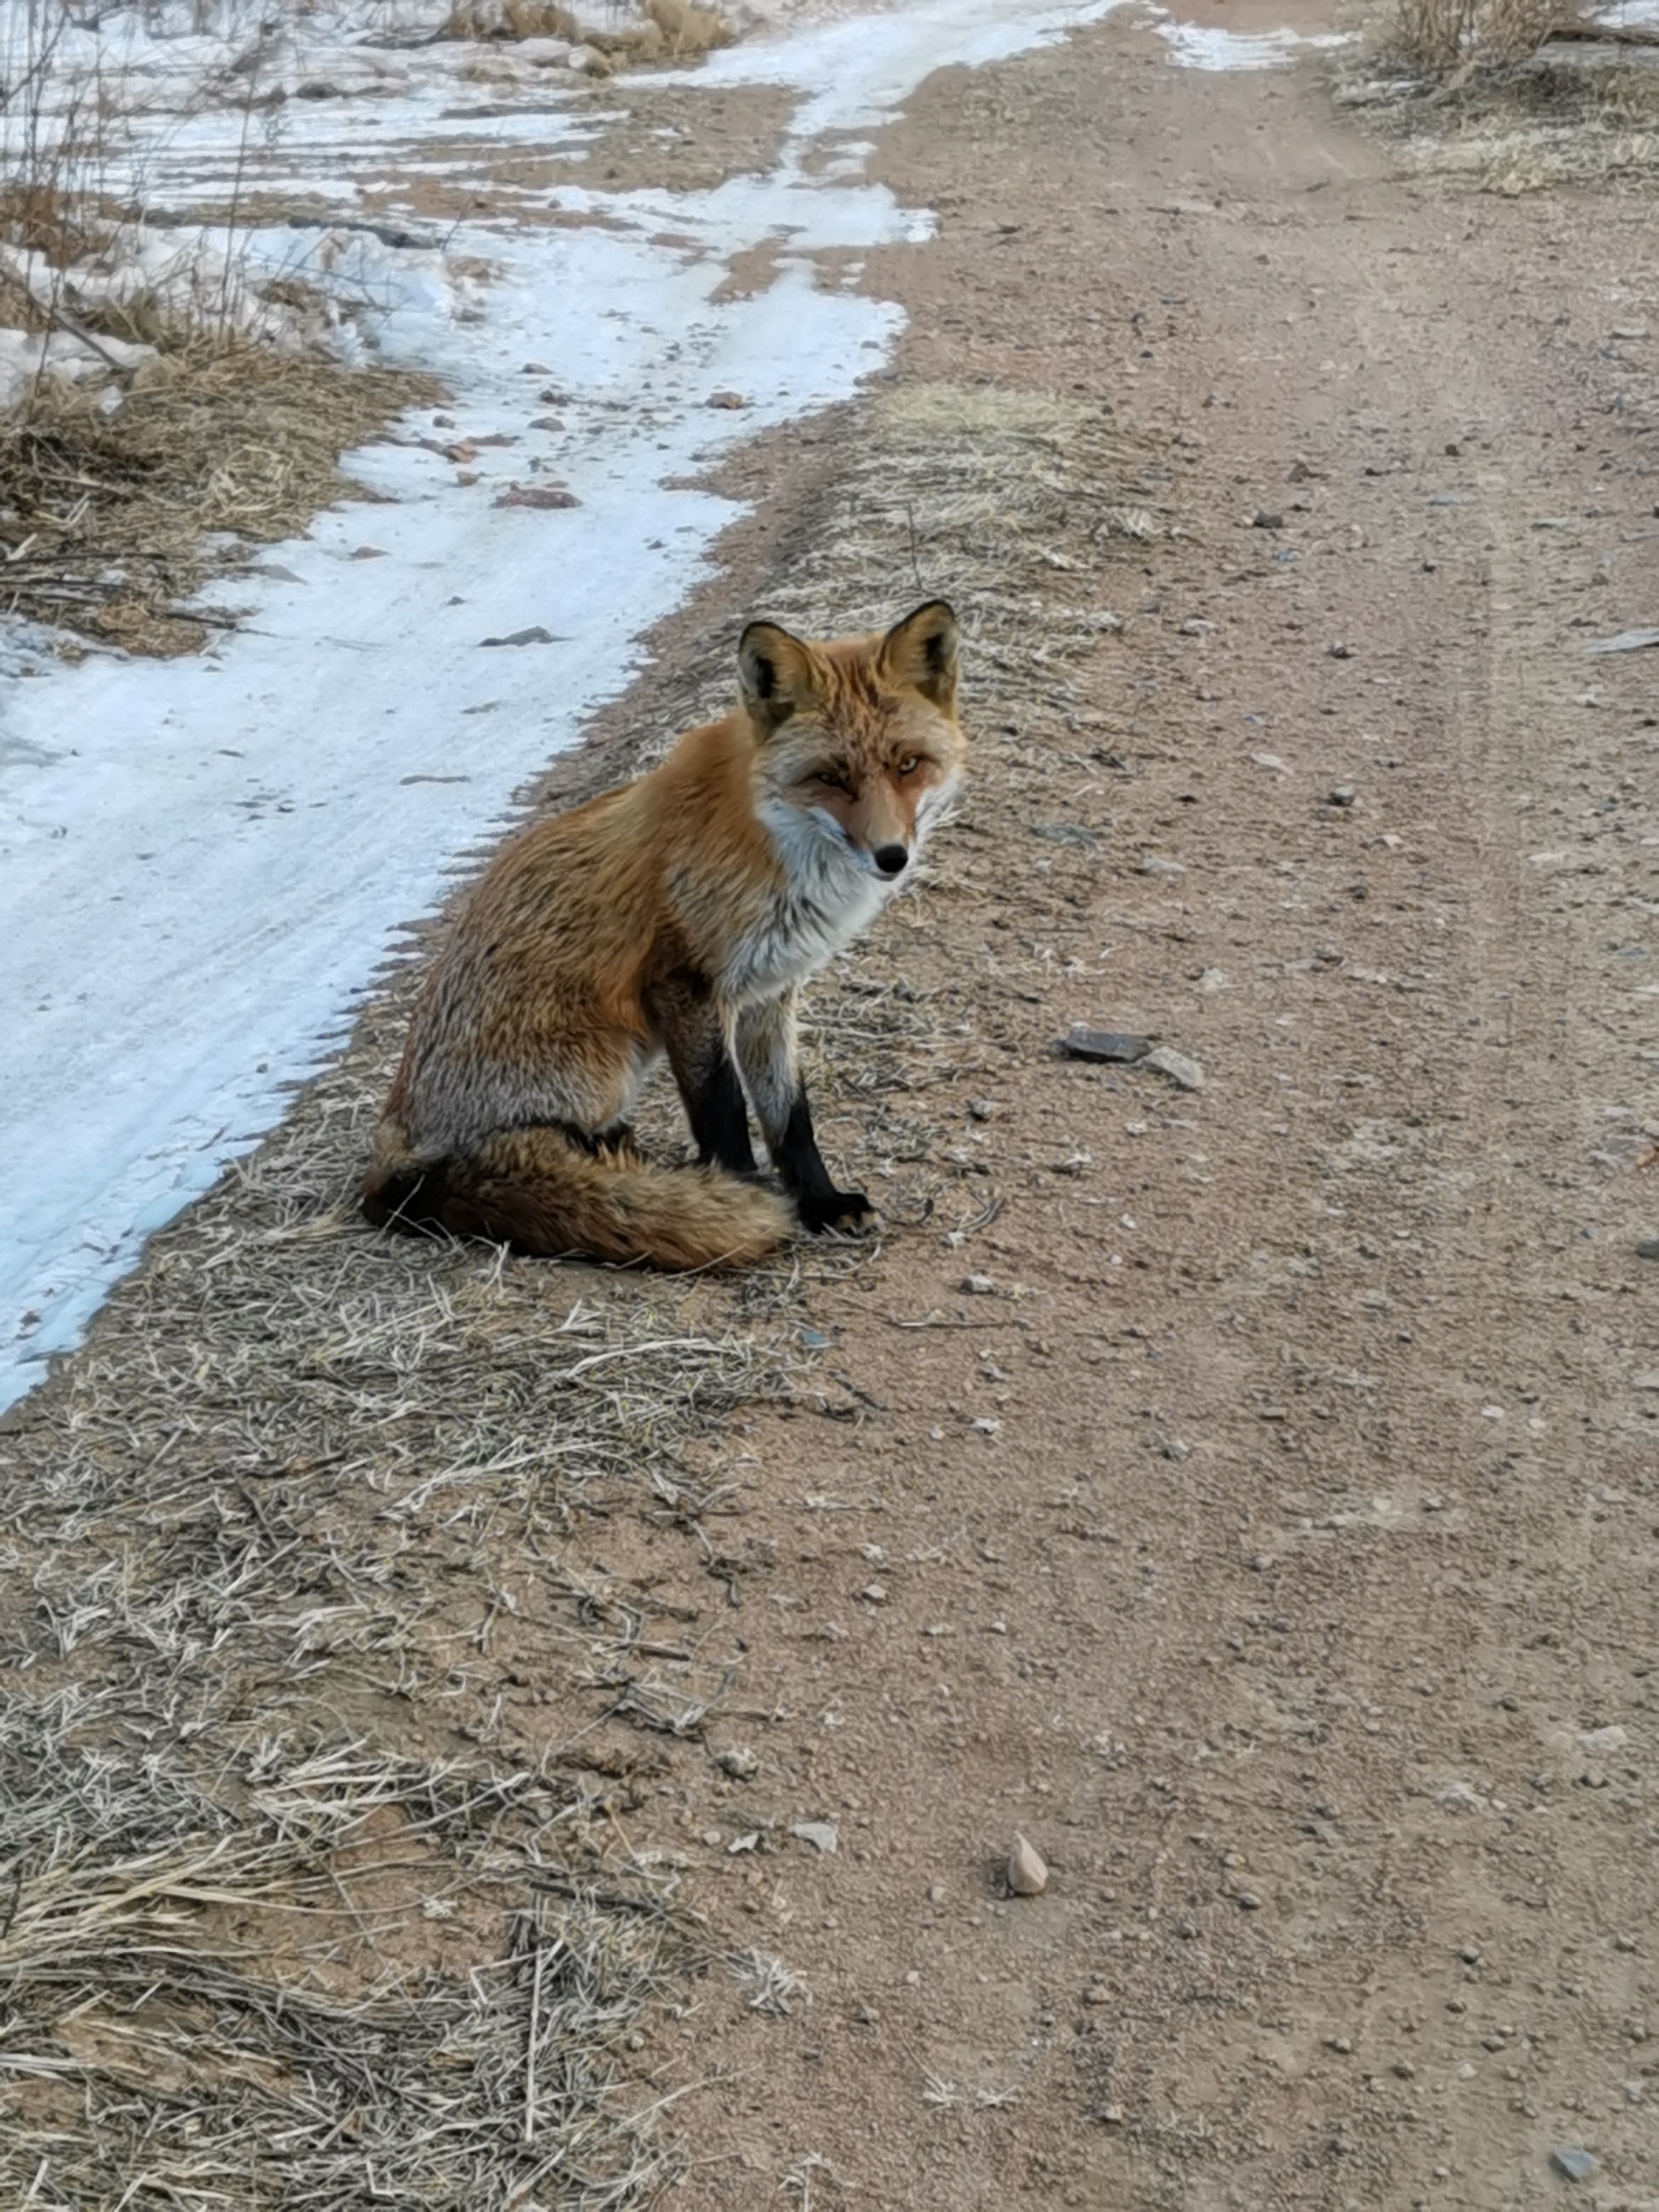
{"points": [[538, 1191]]}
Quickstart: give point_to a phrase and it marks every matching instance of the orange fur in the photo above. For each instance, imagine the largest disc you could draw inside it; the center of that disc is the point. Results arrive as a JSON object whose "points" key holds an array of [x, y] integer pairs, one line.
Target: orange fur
{"points": [[681, 913]]}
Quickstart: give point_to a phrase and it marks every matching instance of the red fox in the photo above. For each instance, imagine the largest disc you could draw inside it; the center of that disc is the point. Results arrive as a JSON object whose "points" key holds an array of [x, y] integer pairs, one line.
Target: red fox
{"points": [[681, 914]]}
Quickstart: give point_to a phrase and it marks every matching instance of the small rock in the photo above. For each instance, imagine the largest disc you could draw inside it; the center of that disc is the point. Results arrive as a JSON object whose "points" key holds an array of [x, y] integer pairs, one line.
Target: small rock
{"points": [[1195, 628], [1577, 2165], [1344, 795], [937, 1892], [1097, 1994], [1028, 1874], [1154, 863], [1081, 1042], [1212, 980], [727, 399], [535, 636], [813, 1340], [546, 423], [1178, 1067], [1248, 1901], [1647, 1250], [1599, 1740], [1264, 518], [739, 1762], [536, 496], [589, 61], [1066, 833], [1341, 2044], [823, 1835], [978, 1286], [874, 1593], [1270, 761], [1341, 651], [369, 553], [983, 1109], [1110, 2115]]}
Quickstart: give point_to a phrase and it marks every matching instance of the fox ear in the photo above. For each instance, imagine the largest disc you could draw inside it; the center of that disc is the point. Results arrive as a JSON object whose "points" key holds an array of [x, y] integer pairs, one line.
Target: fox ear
{"points": [[921, 651], [778, 673]]}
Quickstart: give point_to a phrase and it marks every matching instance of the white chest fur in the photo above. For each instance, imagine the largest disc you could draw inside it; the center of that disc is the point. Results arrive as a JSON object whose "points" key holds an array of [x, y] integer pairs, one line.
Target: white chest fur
{"points": [[829, 896]]}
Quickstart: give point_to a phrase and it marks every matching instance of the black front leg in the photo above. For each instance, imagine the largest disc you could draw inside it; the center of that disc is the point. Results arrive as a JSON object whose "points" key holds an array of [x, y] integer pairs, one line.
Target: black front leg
{"points": [[692, 1032], [800, 1163]]}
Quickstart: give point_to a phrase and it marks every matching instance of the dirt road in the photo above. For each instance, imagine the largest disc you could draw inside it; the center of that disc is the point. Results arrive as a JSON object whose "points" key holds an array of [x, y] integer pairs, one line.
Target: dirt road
{"points": [[1269, 1533], [1245, 1491]]}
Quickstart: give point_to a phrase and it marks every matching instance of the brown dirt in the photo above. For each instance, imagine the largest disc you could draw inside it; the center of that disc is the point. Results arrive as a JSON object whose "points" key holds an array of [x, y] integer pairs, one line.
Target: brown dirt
{"points": [[1274, 1540]]}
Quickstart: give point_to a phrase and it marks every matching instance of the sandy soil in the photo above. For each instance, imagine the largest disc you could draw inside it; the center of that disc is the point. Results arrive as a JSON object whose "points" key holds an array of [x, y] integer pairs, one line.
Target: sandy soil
{"points": [[1246, 1493]]}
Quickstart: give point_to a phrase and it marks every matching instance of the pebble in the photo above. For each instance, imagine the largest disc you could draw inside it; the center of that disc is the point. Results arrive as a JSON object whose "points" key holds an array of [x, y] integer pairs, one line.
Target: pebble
{"points": [[1270, 761], [1648, 1249], [1081, 1042], [1344, 795], [535, 636], [1110, 2115], [1178, 1067], [1154, 863], [1338, 651], [732, 399], [1577, 2165], [823, 1835], [1028, 1873], [1248, 1901], [1265, 518], [739, 1762], [978, 1286], [1097, 1994]]}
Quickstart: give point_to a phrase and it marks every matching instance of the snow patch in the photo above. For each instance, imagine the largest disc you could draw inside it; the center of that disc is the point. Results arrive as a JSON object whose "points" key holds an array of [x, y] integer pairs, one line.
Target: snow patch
{"points": [[1200, 46]]}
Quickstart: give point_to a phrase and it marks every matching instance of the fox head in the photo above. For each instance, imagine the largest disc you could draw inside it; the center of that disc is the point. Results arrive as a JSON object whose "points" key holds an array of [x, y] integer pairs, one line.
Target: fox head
{"points": [[858, 747]]}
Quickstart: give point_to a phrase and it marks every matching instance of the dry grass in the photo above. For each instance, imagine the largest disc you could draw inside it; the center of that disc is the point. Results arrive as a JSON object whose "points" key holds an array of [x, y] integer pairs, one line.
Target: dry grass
{"points": [[103, 514], [672, 30], [1439, 36], [278, 1544]]}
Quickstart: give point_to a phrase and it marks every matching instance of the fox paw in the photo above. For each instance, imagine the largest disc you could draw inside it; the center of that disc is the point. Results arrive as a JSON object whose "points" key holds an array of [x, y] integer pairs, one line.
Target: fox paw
{"points": [[835, 1209]]}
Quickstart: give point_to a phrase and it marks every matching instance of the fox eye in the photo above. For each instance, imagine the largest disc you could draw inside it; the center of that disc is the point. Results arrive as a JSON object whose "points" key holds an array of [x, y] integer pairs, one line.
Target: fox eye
{"points": [[832, 777], [910, 765]]}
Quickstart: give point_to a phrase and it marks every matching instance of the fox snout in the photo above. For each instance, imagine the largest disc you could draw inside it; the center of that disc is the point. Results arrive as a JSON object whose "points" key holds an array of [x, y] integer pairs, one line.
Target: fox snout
{"points": [[891, 860]]}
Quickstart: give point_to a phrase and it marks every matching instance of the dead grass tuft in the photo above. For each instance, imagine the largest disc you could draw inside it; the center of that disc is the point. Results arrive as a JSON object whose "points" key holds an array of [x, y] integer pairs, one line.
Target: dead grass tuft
{"points": [[104, 510], [674, 30], [1439, 36]]}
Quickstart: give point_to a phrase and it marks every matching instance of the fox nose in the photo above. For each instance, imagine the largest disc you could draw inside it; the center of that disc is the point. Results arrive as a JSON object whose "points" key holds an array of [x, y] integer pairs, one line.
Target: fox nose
{"points": [[891, 860]]}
